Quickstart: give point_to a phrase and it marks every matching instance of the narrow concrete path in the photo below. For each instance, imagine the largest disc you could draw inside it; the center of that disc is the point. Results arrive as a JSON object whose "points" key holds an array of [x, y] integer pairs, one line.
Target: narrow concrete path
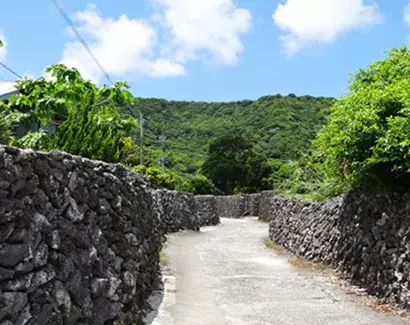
{"points": [[225, 275]]}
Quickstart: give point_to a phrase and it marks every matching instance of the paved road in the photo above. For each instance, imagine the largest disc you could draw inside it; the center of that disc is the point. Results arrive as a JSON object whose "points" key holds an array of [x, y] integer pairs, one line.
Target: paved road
{"points": [[225, 275]]}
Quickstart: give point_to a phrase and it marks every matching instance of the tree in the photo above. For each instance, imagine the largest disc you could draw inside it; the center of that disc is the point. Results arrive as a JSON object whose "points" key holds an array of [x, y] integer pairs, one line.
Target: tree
{"points": [[6, 123], [158, 179], [200, 185], [278, 126], [95, 121], [227, 165], [367, 138], [259, 171]]}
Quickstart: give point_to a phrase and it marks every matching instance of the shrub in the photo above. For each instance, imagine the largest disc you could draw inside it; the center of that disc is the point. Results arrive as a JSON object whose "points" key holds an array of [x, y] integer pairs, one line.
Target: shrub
{"points": [[367, 138]]}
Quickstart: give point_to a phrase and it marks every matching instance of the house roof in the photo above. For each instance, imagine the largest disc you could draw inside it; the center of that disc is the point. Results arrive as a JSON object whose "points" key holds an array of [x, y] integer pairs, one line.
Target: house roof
{"points": [[7, 88]]}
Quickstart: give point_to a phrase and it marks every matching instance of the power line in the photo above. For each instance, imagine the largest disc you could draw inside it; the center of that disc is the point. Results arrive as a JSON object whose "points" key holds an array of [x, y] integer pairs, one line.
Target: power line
{"points": [[105, 73], [10, 70], [81, 39]]}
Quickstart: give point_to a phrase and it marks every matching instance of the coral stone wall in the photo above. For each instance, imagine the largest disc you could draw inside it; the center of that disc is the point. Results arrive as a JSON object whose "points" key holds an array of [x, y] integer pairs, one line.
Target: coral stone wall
{"points": [[238, 206], [364, 236], [206, 210], [265, 203], [177, 210], [79, 240]]}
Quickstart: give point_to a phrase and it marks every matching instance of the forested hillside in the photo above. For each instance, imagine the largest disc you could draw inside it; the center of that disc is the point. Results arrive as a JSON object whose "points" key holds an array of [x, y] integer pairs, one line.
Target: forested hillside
{"points": [[278, 126], [307, 146]]}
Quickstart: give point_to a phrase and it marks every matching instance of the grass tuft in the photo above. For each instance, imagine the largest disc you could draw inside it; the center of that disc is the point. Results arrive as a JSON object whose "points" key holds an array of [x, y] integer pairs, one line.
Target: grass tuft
{"points": [[271, 245], [163, 258], [302, 263]]}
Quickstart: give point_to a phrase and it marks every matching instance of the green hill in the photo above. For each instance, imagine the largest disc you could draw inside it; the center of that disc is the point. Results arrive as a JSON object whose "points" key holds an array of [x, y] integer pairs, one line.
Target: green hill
{"points": [[279, 126]]}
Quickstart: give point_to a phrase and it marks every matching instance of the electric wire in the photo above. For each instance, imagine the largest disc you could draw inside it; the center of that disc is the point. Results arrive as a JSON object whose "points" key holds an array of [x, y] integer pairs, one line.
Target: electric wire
{"points": [[10, 70], [81, 39]]}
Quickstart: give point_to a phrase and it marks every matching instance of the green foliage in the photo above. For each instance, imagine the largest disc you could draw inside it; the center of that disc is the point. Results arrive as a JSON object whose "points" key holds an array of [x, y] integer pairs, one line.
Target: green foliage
{"points": [[34, 140], [366, 142], [278, 126], [201, 185], [233, 166], [280, 171], [367, 139], [6, 123], [158, 179], [96, 133], [226, 164], [95, 123]]}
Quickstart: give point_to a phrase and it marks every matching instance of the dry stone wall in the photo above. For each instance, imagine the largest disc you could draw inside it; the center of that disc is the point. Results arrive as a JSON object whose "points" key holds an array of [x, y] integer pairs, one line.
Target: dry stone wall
{"points": [[238, 206], [366, 237], [80, 239], [231, 206], [176, 210], [253, 204], [206, 210], [265, 203]]}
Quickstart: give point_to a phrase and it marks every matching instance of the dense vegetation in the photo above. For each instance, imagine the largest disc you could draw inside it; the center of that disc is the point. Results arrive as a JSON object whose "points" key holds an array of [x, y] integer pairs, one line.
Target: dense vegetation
{"points": [[95, 123], [366, 142], [278, 127], [233, 166], [100, 123], [363, 139]]}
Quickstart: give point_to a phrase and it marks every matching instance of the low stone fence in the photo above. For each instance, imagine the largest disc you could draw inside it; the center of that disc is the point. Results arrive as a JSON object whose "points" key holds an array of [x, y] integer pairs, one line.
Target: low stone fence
{"points": [[238, 206], [176, 210], [206, 210], [231, 206], [252, 207], [80, 239], [366, 237], [265, 203]]}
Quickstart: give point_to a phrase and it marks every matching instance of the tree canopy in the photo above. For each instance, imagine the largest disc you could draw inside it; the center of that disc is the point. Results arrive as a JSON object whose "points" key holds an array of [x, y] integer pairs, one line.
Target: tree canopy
{"points": [[233, 166], [277, 126], [366, 141], [95, 121], [368, 134]]}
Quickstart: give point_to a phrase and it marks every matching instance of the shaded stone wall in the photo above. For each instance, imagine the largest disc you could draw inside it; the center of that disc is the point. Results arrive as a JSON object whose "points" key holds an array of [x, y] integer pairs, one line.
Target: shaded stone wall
{"points": [[176, 210], [253, 205], [230, 206], [265, 203], [206, 210], [366, 237], [80, 239], [238, 206]]}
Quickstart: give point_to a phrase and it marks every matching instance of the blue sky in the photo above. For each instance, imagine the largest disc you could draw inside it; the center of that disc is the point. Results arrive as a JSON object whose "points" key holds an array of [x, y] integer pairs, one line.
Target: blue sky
{"points": [[210, 50]]}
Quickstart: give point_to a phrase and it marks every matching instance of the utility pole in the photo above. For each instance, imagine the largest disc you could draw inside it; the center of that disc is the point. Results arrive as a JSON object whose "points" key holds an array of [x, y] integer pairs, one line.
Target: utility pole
{"points": [[162, 140], [141, 139]]}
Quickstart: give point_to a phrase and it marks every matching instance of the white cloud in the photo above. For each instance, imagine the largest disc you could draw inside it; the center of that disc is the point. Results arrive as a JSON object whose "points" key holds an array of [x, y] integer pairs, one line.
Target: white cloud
{"points": [[3, 50], [304, 23], [122, 46], [202, 28], [407, 14], [165, 67]]}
